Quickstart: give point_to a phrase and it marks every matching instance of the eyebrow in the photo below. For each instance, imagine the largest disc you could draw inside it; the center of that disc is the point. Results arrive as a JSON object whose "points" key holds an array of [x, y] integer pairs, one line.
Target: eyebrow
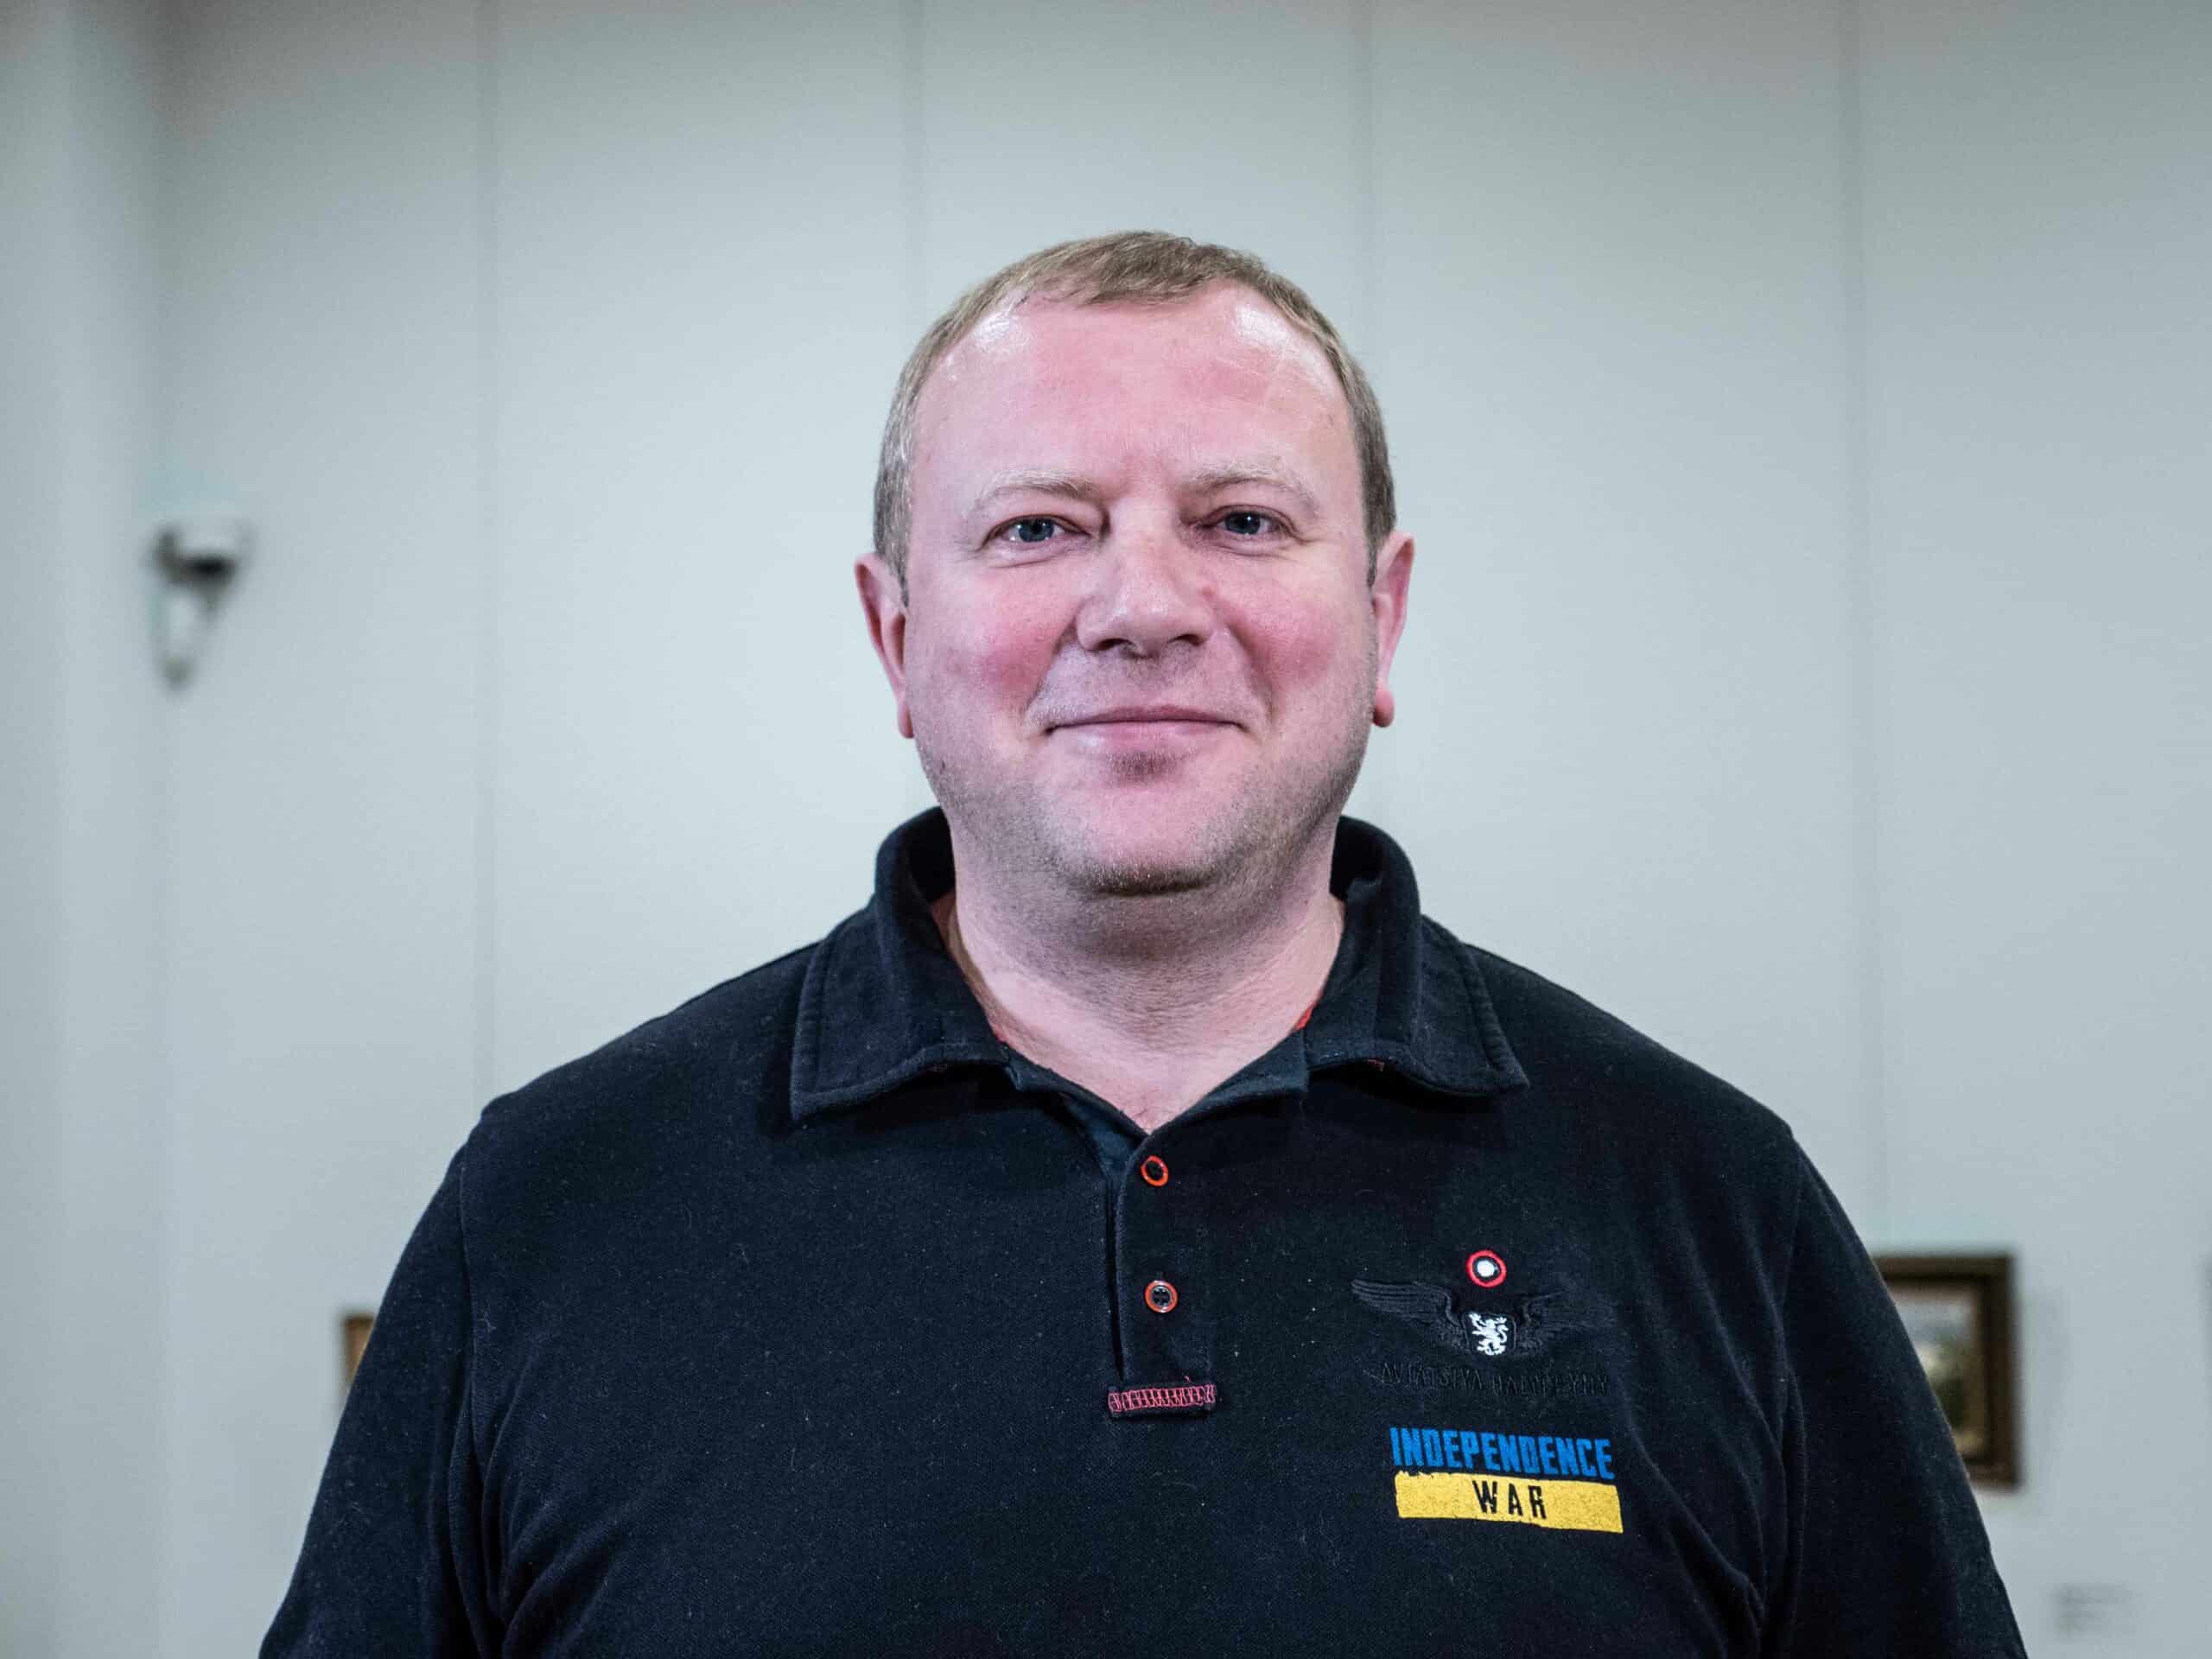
{"points": [[1045, 481], [1039, 480]]}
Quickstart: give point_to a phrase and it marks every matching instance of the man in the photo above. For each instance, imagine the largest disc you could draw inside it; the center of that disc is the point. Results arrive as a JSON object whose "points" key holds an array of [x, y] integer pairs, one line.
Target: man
{"points": [[1139, 1229]]}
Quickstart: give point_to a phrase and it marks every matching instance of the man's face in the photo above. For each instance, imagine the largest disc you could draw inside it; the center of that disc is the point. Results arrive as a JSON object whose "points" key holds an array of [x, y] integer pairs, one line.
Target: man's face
{"points": [[1119, 507]]}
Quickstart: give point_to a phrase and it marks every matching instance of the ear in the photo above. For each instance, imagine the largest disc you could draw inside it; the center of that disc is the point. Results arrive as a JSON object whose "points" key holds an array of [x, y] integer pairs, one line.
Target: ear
{"points": [[886, 610], [1393, 570]]}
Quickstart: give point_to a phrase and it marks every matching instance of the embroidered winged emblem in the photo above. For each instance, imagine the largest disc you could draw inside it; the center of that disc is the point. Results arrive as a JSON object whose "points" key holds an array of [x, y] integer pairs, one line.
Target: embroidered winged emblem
{"points": [[1525, 1325], [1491, 1334]]}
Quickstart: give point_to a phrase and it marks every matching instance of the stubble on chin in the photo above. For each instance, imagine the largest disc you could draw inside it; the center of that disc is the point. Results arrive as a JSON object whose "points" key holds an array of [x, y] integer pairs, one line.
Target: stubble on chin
{"points": [[1033, 840]]}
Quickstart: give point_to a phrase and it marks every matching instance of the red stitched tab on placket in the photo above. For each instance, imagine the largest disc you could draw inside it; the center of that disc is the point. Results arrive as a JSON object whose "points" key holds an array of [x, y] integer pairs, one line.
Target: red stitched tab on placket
{"points": [[1185, 1397]]}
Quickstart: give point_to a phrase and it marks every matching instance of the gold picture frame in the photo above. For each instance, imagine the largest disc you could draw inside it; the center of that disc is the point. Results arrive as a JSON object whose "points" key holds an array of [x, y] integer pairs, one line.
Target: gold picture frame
{"points": [[353, 1324], [1958, 1310]]}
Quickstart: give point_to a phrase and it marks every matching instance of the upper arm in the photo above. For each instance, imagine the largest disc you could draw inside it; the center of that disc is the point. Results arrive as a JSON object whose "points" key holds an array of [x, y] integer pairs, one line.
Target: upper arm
{"points": [[1887, 1552], [394, 1559]]}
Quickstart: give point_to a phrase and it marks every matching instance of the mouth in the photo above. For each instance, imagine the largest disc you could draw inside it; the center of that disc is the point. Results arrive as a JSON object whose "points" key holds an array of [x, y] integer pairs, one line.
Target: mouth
{"points": [[1125, 734], [1149, 714]]}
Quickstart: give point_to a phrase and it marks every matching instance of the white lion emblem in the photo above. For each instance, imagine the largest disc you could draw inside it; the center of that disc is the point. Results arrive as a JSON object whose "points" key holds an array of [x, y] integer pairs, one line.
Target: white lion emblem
{"points": [[1490, 1333]]}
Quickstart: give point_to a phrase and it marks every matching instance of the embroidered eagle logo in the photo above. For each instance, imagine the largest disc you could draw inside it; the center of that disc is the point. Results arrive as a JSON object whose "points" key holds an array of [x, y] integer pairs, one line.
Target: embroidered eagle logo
{"points": [[1525, 1325]]}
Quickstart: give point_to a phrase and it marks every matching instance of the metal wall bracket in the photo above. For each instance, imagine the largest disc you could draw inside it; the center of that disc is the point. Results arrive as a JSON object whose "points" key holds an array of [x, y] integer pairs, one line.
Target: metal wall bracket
{"points": [[195, 563]]}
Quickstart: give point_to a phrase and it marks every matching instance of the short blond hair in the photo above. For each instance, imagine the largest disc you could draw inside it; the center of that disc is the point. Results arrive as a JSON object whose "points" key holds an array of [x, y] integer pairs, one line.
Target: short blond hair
{"points": [[1143, 267]]}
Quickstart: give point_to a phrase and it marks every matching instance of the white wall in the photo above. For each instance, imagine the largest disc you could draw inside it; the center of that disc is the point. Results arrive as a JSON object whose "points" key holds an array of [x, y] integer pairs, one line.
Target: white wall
{"points": [[1800, 409], [33, 149], [2039, 376], [81, 764], [1610, 339], [684, 395], [324, 971]]}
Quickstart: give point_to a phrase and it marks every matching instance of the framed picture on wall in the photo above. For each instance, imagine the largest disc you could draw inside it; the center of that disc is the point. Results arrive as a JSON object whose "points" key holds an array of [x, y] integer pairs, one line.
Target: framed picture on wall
{"points": [[1958, 1310], [353, 1339]]}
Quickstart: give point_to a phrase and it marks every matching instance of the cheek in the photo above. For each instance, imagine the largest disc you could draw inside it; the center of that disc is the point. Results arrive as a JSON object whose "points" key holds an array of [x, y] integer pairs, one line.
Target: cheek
{"points": [[989, 667], [1305, 652]]}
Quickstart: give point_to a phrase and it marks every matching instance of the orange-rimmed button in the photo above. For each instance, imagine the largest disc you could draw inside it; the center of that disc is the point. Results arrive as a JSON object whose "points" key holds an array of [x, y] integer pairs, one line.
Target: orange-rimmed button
{"points": [[1154, 1170], [1160, 1295]]}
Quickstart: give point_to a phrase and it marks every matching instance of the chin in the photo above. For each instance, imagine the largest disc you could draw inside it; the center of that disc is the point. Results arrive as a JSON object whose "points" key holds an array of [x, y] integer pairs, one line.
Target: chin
{"points": [[1125, 855]]}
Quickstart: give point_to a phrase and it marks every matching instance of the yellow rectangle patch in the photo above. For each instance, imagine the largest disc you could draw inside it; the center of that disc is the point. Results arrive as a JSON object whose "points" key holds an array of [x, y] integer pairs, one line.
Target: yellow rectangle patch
{"points": [[1576, 1505]]}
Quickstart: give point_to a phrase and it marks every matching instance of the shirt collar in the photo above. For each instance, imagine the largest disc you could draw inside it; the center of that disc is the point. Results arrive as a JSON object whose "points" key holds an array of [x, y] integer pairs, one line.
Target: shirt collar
{"points": [[884, 1002]]}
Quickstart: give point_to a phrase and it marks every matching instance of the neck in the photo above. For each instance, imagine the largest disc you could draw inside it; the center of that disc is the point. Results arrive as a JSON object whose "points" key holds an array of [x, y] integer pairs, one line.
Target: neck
{"points": [[1150, 1001]]}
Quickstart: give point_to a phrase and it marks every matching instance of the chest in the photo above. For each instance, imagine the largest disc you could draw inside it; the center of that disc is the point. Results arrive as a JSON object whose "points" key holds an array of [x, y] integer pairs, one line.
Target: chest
{"points": [[893, 1424]]}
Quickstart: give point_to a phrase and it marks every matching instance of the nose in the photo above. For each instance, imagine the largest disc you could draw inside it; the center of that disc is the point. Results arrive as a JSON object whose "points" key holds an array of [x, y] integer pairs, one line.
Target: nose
{"points": [[1149, 590]]}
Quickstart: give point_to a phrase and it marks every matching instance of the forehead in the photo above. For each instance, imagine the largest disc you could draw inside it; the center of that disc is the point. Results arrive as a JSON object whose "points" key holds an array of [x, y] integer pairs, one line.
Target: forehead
{"points": [[1211, 373]]}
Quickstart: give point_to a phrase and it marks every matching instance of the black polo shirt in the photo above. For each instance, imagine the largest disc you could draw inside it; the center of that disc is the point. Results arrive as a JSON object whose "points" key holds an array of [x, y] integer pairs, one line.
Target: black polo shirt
{"points": [[811, 1318]]}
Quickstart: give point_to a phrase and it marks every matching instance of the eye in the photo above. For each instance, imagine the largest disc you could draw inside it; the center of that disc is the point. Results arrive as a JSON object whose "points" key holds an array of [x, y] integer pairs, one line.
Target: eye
{"points": [[1029, 533], [1246, 524]]}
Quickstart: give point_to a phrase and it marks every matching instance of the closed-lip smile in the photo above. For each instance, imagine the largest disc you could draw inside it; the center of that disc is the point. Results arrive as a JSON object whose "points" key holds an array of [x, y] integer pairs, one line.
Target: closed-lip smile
{"points": [[1152, 712]]}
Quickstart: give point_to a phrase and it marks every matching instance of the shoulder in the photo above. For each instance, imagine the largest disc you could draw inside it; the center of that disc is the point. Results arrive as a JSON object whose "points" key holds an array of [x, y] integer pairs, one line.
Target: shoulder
{"points": [[1630, 1103], [1692, 1190], [1568, 1045], [706, 1070]]}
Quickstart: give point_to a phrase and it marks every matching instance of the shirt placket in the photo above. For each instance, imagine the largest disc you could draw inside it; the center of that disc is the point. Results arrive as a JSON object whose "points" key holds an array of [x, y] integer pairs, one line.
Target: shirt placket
{"points": [[1166, 1310], [1166, 1313]]}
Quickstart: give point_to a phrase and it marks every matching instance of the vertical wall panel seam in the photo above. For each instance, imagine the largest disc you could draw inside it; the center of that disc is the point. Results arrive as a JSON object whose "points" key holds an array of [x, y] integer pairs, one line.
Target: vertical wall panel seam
{"points": [[172, 56], [1364, 217], [58, 246], [488, 665], [913, 182], [1862, 647], [914, 169], [1380, 773], [162, 379]]}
